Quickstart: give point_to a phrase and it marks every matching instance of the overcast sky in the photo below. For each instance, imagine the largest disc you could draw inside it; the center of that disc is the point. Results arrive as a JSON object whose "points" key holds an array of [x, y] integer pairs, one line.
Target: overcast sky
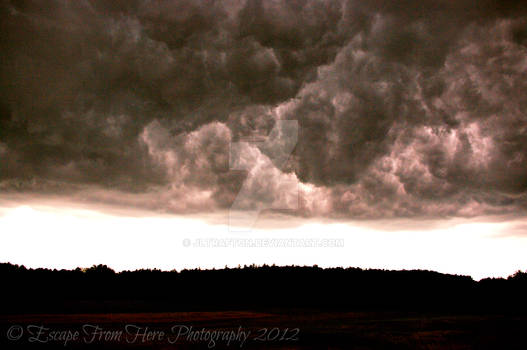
{"points": [[394, 114]]}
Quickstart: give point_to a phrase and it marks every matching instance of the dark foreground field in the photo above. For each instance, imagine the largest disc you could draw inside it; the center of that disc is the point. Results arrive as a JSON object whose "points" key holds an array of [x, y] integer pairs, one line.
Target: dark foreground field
{"points": [[294, 329], [264, 307]]}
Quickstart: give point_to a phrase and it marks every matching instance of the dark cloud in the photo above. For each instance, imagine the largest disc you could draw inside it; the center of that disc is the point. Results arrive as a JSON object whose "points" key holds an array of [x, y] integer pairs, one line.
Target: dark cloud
{"points": [[404, 109]]}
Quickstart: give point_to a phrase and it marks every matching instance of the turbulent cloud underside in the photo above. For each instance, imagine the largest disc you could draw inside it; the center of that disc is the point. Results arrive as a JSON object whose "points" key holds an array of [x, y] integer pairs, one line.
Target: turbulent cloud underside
{"points": [[404, 108]]}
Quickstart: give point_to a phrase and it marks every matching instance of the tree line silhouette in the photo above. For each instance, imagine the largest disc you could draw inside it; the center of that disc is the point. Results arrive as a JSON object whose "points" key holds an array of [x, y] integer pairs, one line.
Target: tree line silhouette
{"points": [[100, 289]]}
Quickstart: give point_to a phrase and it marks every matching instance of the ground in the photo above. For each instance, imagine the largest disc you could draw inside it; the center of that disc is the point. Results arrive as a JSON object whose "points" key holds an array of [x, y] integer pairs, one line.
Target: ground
{"points": [[277, 329]]}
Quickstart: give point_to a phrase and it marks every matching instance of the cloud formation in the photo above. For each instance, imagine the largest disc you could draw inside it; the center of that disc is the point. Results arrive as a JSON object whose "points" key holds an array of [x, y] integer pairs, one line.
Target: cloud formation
{"points": [[405, 109]]}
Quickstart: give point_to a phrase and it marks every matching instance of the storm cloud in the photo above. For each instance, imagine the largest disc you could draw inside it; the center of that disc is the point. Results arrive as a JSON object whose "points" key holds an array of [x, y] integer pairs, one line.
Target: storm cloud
{"points": [[404, 108]]}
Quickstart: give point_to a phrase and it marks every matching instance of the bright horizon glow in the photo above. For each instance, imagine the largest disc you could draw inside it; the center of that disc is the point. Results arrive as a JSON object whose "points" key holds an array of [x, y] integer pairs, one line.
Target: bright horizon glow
{"points": [[65, 238]]}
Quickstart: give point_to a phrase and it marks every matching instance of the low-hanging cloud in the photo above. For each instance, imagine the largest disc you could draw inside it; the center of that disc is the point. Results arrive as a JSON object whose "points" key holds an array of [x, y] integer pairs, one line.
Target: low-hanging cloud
{"points": [[405, 109]]}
